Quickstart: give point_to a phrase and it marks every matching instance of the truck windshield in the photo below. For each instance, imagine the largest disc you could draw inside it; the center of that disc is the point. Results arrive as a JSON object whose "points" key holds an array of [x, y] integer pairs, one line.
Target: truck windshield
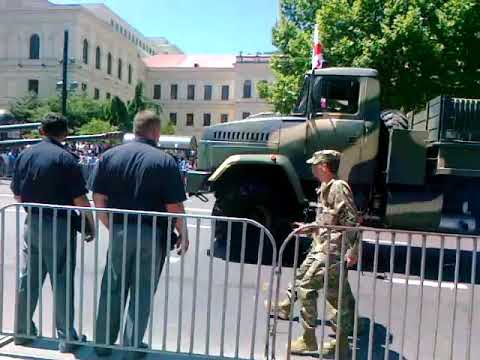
{"points": [[301, 105], [335, 94]]}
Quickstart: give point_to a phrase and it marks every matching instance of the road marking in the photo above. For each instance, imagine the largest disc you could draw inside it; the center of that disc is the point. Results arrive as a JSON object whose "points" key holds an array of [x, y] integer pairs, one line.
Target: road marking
{"points": [[198, 210], [201, 226], [174, 259], [429, 283], [385, 242]]}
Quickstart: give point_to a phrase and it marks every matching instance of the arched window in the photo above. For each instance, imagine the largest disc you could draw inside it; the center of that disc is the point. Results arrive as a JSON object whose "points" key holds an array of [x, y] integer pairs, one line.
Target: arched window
{"points": [[130, 73], [35, 47], [120, 69], [98, 58], [109, 64], [85, 51]]}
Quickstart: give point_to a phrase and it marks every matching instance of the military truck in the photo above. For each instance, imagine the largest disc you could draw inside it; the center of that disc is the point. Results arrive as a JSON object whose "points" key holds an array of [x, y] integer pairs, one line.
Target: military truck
{"points": [[418, 171]]}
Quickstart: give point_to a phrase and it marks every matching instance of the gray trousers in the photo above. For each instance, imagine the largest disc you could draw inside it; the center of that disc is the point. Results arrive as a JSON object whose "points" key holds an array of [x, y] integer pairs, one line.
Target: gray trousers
{"points": [[135, 326], [32, 257]]}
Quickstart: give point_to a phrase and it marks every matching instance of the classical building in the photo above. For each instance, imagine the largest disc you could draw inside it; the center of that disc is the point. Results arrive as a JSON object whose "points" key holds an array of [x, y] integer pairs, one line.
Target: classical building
{"points": [[108, 57], [195, 91]]}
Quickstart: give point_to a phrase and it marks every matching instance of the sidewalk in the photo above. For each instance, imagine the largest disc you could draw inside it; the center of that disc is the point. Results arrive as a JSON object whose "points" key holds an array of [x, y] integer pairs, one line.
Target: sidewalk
{"points": [[47, 350]]}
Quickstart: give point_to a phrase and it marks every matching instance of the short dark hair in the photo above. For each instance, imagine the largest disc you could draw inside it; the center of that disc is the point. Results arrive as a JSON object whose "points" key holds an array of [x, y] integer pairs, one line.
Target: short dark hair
{"points": [[54, 124], [145, 121]]}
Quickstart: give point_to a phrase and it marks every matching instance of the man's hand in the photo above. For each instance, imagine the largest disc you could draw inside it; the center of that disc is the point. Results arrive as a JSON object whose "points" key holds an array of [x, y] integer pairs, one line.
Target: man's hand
{"points": [[307, 230], [351, 260], [182, 242], [182, 245], [82, 201]]}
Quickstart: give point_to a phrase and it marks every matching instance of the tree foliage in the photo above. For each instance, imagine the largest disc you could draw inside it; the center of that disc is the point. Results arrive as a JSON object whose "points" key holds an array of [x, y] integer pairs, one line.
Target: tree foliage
{"points": [[117, 114], [96, 126], [421, 48], [80, 108]]}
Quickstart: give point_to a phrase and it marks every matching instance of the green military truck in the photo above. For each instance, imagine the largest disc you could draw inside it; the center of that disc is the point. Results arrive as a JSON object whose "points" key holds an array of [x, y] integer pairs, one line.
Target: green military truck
{"points": [[420, 171]]}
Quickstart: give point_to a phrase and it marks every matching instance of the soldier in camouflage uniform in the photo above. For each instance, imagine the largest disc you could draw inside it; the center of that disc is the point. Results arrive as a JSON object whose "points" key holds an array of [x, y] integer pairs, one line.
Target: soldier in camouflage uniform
{"points": [[336, 207]]}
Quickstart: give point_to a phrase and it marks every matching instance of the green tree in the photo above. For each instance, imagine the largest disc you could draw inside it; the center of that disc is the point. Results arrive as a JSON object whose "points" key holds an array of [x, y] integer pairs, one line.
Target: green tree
{"points": [[25, 107], [96, 126], [421, 48], [80, 108], [139, 103], [168, 129], [117, 114]]}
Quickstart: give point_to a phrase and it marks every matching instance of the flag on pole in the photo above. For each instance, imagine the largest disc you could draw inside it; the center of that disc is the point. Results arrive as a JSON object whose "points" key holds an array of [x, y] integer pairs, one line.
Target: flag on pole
{"points": [[317, 53]]}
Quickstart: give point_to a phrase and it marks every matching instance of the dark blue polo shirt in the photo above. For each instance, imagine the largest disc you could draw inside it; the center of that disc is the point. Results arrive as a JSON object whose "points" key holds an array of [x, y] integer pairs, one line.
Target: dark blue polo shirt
{"points": [[46, 173], [138, 176]]}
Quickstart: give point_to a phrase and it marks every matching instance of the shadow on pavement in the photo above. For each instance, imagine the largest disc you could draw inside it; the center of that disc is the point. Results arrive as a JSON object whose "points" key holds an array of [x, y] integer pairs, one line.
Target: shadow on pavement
{"points": [[378, 345]]}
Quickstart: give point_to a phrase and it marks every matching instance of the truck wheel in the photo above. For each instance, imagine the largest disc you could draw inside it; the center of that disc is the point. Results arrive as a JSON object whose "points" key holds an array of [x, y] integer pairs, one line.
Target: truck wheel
{"points": [[250, 210], [258, 209], [394, 119]]}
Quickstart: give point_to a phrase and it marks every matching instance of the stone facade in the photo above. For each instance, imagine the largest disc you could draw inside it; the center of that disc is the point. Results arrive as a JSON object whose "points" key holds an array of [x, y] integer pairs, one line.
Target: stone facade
{"points": [[107, 57]]}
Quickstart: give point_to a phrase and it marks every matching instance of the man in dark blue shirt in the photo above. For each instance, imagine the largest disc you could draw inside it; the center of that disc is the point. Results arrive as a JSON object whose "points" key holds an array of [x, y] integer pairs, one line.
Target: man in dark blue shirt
{"points": [[135, 176], [47, 173]]}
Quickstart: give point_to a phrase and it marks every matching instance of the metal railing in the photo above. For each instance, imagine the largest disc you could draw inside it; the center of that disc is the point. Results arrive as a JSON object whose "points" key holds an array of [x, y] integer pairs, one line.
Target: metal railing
{"points": [[197, 308], [414, 296]]}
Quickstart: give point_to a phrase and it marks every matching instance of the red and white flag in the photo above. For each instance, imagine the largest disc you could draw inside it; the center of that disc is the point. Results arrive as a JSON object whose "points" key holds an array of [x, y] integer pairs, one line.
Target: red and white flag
{"points": [[317, 53]]}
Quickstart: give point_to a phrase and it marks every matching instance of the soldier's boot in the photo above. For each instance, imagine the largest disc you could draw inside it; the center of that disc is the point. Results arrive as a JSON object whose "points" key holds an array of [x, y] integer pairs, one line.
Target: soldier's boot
{"points": [[283, 309], [330, 347], [305, 344]]}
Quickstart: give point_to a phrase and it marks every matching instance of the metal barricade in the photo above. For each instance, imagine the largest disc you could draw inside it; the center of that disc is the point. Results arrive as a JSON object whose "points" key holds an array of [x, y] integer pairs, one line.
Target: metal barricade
{"points": [[414, 296], [197, 307]]}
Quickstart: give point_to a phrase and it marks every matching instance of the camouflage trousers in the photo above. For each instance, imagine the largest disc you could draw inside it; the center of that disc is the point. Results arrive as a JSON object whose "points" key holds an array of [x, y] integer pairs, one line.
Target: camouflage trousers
{"points": [[310, 278]]}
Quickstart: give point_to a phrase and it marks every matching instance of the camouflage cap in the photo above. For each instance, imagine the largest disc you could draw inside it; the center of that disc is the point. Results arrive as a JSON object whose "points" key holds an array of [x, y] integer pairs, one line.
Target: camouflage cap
{"points": [[324, 156]]}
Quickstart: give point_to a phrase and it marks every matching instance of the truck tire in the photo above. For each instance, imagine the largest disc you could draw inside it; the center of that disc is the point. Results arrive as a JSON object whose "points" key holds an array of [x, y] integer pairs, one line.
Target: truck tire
{"points": [[256, 206], [394, 119], [253, 211]]}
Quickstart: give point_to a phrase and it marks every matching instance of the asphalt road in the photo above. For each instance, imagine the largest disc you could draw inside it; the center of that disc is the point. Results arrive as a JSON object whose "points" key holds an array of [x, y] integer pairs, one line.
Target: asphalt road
{"points": [[395, 312]]}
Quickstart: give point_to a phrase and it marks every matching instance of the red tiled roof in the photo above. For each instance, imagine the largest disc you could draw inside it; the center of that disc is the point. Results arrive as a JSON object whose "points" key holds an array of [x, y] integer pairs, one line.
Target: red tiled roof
{"points": [[189, 61]]}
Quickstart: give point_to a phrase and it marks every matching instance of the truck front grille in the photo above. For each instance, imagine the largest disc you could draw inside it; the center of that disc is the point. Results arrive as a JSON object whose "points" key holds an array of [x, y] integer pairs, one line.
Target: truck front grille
{"points": [[243, 136]]}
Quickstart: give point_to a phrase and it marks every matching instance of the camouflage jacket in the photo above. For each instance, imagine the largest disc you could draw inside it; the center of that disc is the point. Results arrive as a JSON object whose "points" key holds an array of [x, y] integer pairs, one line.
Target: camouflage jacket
{"points": [[336, 206]]}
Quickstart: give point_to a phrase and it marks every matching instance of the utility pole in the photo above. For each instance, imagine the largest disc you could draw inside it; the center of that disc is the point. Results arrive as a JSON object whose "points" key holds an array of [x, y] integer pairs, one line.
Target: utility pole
{"points": [[64, 77]]}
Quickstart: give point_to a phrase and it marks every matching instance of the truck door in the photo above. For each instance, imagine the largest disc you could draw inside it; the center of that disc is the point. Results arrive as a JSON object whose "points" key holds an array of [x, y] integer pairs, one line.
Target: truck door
{"points": [[338, 122]]}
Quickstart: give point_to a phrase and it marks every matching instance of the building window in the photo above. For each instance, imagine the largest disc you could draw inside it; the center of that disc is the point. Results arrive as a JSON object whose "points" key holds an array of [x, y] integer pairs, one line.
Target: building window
{"points": [[35, 47], [157, 91], [225, 92], [245, 115], [207, 92], [109, 64], [207, 119], [84, 87], [98, 58], [173, 92], [247, 89], [96, 94], [224, 118], [85, 51], [173, 118], [33, 86], [120, 68], [190, 119], [108, 96], [191, 92], [130, 72]]}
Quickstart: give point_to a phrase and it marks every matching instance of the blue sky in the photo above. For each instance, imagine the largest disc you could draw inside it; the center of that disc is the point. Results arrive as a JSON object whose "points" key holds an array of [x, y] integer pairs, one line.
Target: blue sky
{"points": [[201, 26]]}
